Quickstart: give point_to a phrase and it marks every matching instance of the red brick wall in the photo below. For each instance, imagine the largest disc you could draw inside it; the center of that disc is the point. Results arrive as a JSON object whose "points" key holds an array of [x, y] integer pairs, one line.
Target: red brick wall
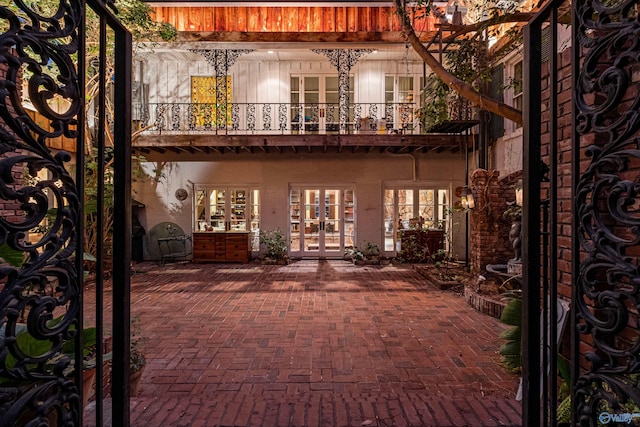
{"points": [[488, 228], [10, 210], [565, 153]]}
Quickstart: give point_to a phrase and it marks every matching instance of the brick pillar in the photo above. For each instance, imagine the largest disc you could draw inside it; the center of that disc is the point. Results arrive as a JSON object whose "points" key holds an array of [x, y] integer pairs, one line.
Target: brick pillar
{"points": [[488, 228]]}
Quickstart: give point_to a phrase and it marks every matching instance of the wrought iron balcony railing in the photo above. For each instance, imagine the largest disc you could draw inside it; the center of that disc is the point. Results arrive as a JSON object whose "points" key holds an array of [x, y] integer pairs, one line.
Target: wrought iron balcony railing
{"points": [[277, 118]]}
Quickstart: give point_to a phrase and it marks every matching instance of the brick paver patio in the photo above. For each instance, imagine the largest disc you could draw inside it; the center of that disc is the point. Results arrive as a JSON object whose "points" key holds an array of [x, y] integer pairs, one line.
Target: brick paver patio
{"points": [[315, 343]]}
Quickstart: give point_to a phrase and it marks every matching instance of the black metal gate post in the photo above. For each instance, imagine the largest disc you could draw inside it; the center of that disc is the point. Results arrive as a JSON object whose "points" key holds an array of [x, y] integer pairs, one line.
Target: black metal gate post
{"points": [[541, 274]]}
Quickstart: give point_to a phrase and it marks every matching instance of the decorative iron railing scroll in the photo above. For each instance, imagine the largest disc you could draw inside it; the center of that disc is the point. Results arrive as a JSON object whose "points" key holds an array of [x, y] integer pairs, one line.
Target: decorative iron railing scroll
{"points": [[37, 47], [606, 290]]}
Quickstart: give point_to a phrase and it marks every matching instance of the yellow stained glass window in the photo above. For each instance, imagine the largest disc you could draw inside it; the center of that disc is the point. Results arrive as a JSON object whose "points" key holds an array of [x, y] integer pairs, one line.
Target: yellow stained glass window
{"points": [[211, 106]]}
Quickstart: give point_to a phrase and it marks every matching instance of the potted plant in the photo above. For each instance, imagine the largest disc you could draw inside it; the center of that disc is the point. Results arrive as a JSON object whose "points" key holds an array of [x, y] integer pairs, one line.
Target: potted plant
{"points": [[33, 347], [137, 360], [275, 247], [369, 254]]}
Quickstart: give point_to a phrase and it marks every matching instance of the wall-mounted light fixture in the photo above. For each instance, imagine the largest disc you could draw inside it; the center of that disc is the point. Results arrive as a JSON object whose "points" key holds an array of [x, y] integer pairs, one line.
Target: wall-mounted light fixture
{"points": [[519, 193], [466, 198]]}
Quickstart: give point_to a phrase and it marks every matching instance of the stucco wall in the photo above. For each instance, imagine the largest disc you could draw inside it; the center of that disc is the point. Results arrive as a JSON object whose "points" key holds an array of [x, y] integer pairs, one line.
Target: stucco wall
{"points": [[274, 173]]}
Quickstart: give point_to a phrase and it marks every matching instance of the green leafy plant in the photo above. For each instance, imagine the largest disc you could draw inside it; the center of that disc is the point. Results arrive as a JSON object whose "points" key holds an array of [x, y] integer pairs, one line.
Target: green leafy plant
{"points": [[413, 251], [355, 254], [34, 348], [369, 252], [274, 244], [513, 212], [137, 358], [511, 350], [11, 256]]}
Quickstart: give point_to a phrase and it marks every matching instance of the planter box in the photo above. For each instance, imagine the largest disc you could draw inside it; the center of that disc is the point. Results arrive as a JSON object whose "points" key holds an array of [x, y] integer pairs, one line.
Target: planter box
{"points": [[431, 274]]}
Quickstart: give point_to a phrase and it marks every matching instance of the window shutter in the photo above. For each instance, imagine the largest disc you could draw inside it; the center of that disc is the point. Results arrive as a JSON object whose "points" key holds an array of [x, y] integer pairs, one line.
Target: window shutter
{"points": [[496, 125]]}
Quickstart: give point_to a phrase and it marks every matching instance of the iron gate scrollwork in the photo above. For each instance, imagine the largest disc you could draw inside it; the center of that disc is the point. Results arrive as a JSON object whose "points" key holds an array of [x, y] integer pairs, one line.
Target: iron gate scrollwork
{"points": [[37, 386], [606, 289], [602, 279], [41, 229]]}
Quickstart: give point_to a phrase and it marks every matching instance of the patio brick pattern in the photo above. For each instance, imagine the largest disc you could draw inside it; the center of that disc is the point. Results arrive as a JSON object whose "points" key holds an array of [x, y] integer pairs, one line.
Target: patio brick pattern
{"points": [[314, 343]]}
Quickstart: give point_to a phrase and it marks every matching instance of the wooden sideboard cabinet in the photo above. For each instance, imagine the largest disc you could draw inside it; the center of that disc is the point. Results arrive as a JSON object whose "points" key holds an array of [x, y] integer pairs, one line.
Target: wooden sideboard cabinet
{"points": [[221, 247]]}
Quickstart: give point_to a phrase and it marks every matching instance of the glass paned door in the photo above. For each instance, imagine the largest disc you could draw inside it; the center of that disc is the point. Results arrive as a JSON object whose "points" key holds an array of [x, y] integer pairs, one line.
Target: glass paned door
{"points": [[315, 104], [254, 212], [331, 224], [294, 221], [349, 220], [311, 235], [322, 221], [311, 90], [398, 98], [389, 221], [330, 111]]}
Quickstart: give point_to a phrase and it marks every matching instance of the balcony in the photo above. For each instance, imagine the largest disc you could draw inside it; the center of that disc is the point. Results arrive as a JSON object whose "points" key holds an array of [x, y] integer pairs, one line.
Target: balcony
{"points": [[249, 126]]}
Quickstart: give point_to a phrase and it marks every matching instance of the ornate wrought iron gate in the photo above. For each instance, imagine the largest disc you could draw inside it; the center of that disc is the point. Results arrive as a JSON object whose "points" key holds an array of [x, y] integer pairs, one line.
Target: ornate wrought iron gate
{"points": [[582, 122], [44, 206]]}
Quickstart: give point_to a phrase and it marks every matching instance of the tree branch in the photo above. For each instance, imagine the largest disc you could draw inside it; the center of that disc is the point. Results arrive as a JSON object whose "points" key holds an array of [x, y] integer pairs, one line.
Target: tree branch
{"points": [[458, 85], [461, 30]]}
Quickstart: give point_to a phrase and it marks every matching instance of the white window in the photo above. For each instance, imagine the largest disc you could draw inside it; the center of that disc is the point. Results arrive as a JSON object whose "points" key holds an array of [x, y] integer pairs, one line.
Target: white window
{"points": [[233, 208], [408, 208], [514, 85]]}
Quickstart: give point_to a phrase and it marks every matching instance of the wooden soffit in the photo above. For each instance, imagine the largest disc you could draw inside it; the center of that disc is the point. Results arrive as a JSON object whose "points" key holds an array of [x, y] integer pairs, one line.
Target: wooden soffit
{"points": [[365, 143], [290, 23]]}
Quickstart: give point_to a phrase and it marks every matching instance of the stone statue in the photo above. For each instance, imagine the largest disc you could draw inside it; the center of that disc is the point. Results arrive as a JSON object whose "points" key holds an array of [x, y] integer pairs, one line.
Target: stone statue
{"points": [[515, 237]]}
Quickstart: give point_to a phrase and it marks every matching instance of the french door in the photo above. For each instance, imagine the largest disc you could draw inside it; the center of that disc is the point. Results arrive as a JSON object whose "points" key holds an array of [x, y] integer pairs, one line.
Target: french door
{"points": [[315, 104], [322, 222]]}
